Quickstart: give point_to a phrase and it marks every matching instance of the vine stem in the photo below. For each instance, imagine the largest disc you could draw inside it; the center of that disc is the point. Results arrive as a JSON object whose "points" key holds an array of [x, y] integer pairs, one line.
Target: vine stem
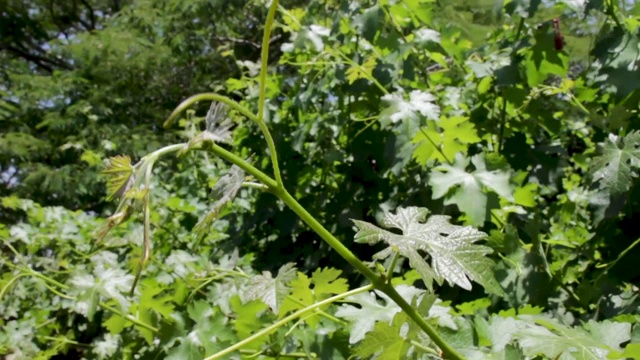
{"points": [[285, 320], [263, 94], [377, 281]]}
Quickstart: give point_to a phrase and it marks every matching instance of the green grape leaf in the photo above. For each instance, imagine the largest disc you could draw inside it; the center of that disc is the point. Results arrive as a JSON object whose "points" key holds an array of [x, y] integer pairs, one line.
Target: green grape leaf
{"points": [[610, 333], [544, 59], [618, 50], [472, 307], [615, 168], [224, 191], [306, 291], [548, 337], [211, 327], [502, 330], [455, 136], [454, 256], [115, 324], [363, 319], [467, 190], [631, 351], [364, 71], [119, 176], [384, 342], [272, 291], [327, 282], [150, 303], [301, 295], [249, 317], [186, 351]]}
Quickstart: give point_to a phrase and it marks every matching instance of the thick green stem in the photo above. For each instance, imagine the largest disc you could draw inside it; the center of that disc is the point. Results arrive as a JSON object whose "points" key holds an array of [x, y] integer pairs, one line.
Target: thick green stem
{"points": [[327, 236], [377, 281]]}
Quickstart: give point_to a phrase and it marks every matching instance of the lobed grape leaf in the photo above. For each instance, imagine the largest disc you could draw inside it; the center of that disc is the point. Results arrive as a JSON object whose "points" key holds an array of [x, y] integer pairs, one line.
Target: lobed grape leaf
{"points": [[363, 319], [467, 190], [615, 168], [454, 256], [327, 282], [151, 303], [538, 336], [454, 136], [383, 343], [272, 291], [211, 327], [306, 291]]}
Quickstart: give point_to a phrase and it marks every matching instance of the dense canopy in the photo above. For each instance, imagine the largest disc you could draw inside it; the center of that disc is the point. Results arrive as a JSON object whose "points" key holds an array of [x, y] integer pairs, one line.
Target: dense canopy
{"points": [[416, 179]]}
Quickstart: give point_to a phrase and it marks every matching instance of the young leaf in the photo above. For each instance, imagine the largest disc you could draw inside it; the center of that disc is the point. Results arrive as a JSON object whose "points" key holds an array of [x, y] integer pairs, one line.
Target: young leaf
{"points": [[224, 190], [327, 282], [456, 133], [272, 291], [467, 188], [119, 176], [454, 256], [615, 167], [151, 303], [306, 291], [301, 293]]}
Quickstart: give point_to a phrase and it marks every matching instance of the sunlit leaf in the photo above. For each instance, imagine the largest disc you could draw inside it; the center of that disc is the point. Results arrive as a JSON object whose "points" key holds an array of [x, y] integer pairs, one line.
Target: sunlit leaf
{"points": [[454, 256], [468, 189]]}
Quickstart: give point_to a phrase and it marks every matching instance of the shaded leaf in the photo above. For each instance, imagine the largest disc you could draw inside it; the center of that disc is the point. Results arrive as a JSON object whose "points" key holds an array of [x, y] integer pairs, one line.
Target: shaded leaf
{"points": [[617, 165], [224, 191], [384, 342]]}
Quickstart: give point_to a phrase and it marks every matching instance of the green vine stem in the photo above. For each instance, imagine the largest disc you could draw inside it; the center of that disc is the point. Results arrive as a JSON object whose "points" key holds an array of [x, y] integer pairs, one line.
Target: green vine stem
{"points": [[285, 320], [263, 94], [377, 281]]}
